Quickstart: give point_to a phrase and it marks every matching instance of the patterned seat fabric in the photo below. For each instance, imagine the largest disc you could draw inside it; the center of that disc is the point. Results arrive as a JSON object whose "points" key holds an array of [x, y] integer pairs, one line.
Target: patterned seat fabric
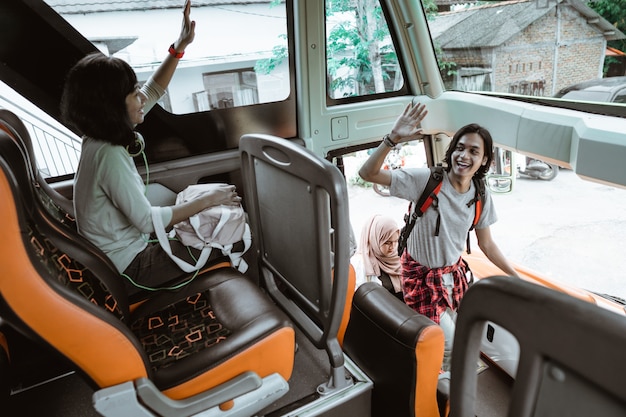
{"points": [[179, 330], [166, 335], [72, 274]]}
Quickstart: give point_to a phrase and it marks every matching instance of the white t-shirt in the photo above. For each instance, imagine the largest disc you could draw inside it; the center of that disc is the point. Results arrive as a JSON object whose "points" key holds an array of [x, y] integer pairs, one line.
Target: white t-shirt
{"points": [[456, 217]]}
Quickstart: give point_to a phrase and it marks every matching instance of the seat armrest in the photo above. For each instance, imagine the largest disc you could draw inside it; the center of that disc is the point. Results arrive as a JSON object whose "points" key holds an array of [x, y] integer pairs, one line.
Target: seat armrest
{"points": [[247, 392]]}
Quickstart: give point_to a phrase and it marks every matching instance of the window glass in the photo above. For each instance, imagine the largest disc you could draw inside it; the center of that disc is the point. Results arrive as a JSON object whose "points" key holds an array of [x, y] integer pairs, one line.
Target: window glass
{"points": [[57, 149], [587, 95], [241, 45], [228, 89], [620, 97], [361, 58], [532, 47]]}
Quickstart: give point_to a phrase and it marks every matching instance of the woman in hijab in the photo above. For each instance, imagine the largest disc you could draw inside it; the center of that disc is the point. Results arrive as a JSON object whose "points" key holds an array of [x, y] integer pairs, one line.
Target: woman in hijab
{"points": [[376, 258]]}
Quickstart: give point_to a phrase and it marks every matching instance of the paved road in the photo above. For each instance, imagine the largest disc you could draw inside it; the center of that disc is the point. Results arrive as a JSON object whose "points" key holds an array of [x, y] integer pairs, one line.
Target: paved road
{"points": [[568, 229]]}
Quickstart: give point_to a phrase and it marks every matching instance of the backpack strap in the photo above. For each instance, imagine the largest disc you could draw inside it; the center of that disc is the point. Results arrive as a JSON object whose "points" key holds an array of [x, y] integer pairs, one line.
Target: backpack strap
{"points": [[479, 198], [428, 197]]}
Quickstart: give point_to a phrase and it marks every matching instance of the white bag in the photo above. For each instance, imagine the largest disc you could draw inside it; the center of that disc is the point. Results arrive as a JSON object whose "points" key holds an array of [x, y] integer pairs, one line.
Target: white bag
{"points": [[218, 227]]}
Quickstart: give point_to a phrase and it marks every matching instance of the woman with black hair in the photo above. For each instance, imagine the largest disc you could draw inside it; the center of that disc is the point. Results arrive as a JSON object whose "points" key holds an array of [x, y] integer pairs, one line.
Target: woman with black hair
{"points": [[104, 101], [433, 272]]}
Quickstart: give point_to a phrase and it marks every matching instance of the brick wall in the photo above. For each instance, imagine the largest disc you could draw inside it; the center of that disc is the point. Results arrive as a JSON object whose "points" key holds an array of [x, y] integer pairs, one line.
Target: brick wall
{"points": [[526, 64]]}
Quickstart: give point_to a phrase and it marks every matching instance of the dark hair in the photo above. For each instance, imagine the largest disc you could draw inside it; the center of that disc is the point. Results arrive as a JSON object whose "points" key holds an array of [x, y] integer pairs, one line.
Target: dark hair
{"points": [[94, 98], [487, 139]]}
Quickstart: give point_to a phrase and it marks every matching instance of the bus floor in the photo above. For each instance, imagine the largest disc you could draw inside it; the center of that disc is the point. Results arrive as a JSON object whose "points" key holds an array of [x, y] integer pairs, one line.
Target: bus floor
{"points": [[57, 391], [494, 388], [67, 394]]}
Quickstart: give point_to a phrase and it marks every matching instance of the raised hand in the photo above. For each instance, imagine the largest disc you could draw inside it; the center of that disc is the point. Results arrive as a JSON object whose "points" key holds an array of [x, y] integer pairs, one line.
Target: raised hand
{"points": [[406, 127], [188, 29]]}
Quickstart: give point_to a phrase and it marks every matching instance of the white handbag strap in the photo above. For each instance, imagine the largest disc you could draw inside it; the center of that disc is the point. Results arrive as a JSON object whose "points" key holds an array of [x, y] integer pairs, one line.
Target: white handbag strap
{"points": [[236, 258], [159, 229]]}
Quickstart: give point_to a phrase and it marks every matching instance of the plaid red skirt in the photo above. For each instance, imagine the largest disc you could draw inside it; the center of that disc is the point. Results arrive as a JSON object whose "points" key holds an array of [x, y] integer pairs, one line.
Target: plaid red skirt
{"points": [[423, 287]]}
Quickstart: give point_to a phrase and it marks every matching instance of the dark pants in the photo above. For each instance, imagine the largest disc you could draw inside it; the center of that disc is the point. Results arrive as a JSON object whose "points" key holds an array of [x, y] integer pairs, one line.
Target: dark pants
{"points": [[153, 268]]}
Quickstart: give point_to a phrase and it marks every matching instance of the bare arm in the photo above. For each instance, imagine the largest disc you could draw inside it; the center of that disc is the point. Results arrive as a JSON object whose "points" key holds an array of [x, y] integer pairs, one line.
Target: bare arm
{"points": [[163, 74], [405, 128], [492, 251], [371, 169]]}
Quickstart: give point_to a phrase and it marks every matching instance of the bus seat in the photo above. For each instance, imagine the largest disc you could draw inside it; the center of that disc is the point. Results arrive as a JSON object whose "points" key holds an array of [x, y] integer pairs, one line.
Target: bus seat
{"points": [[217, 340], [571, 351], [15, 128], [298, 207], [400, 349], [343, 327]]}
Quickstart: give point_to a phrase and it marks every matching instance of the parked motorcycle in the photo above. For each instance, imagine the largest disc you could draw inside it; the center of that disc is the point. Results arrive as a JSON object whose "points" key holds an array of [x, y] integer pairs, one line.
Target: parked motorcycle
{"points": [[534, 168]]}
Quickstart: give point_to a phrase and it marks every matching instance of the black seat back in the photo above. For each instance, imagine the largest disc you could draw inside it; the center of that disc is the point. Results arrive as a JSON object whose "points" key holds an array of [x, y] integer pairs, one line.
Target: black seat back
{"points": [[13, 125], [298, 205], [400, 349], [571, 351]]}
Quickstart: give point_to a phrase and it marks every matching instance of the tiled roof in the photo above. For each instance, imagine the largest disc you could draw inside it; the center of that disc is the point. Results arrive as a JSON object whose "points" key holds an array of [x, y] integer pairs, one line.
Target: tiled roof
{"points": [[481, 26], [92, 6]]}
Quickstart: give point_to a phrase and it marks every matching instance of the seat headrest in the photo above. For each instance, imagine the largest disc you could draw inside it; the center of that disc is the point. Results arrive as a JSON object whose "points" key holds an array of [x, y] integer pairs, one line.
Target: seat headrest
{"points": [[56, 239], [15, 128]]}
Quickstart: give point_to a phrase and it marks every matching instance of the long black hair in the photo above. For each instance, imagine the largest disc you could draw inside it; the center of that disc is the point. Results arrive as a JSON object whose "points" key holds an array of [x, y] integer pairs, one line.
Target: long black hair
{"points": [[487, 140], [94, 98]]}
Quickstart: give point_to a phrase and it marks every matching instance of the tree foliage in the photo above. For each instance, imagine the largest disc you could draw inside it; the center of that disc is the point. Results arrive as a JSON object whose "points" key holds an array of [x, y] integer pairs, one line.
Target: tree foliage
{"points": [[279, 54], [356, 48], [360, 55], [373, 60], [614, 11]]}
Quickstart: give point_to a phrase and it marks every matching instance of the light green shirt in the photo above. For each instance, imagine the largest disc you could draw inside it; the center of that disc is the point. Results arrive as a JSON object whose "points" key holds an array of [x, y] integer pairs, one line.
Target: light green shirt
{"points": [[111, 208]]}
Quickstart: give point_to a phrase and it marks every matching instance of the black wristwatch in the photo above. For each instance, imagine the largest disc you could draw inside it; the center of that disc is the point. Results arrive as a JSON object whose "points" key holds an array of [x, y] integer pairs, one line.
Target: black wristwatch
{"points": [[387, 141]]}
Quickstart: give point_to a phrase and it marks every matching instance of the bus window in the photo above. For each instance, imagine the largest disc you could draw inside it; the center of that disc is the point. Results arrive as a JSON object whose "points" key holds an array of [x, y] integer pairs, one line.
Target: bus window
{"points": [[361, 58], [249, 68], [57, 149]]}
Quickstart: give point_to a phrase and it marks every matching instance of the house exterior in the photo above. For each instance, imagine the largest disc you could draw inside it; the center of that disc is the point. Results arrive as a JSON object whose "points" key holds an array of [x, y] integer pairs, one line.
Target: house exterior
{"points": [[510, 46]]}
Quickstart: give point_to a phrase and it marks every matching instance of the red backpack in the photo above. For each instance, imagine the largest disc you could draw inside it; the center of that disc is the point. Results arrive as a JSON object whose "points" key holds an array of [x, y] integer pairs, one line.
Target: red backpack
{"points": [[429, 196]]}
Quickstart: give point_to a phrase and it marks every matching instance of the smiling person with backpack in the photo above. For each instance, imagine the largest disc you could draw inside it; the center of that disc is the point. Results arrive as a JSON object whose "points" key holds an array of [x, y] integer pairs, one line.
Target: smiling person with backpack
{"points": [[434, 276]]}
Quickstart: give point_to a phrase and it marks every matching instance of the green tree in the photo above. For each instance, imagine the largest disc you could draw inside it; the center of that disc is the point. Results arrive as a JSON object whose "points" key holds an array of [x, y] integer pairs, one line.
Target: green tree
{"points": [[279, 54], [358, 49], [360, 56], [365, 48], [614, 11]]}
